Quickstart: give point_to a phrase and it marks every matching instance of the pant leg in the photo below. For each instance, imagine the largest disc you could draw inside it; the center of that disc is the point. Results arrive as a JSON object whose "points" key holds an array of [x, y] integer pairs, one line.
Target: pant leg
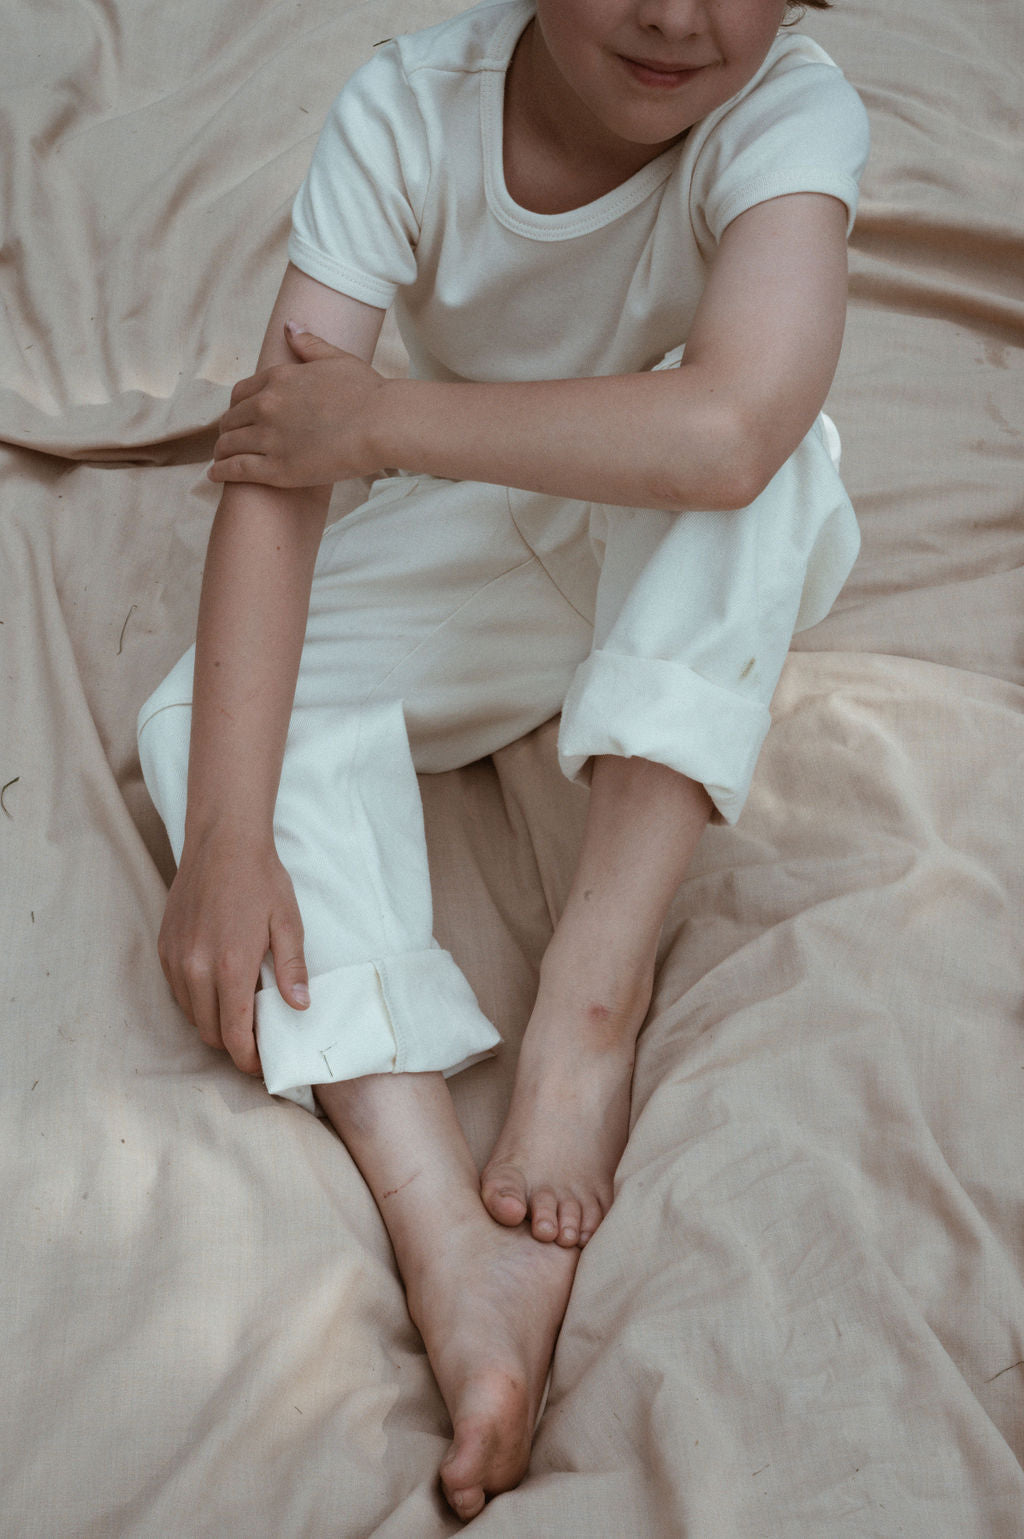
{"points": [[434, 637], [693, 615]]}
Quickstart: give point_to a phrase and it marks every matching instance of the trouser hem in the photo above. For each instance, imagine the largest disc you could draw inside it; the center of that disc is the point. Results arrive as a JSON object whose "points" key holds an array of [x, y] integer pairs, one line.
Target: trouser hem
{"points": [[652, 709], [413, 1013]]}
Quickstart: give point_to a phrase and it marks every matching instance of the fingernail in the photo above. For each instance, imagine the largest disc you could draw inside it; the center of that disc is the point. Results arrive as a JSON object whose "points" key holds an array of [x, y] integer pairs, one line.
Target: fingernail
{"points": [[300, 994], [294, 327]]}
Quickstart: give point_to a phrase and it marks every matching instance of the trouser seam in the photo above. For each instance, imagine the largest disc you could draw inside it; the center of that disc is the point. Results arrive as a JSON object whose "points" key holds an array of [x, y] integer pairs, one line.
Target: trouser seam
{"points": [[587, 619], [427, 640]]}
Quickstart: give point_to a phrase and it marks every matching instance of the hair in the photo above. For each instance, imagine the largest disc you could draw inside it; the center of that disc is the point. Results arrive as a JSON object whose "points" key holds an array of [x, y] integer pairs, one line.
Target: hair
{"points": [[796, 10]]}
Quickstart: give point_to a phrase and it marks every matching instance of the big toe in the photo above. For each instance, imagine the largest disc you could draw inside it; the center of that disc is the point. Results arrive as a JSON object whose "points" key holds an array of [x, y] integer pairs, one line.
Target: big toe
{"points": [[488, 1455], [465, 1501], [504, 1192], [462, 1471]]}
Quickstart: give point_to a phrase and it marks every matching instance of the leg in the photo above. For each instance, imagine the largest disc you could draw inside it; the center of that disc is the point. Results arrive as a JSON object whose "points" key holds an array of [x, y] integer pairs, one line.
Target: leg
{"points": [[488, 1301], [567, 1124], [434, 636], [692, 622]]}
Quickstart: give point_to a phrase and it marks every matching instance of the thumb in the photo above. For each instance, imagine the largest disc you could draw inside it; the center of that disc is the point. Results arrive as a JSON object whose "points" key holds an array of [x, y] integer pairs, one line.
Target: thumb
{"points": [[306, 344], [289, 960]]}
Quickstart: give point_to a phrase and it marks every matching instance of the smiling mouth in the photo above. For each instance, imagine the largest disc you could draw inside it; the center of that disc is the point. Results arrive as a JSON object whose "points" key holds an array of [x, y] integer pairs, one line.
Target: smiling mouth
{"points": [[665, 75]]}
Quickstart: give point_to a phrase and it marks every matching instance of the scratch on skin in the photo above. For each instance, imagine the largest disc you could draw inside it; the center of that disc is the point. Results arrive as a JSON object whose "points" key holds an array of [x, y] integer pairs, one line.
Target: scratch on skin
{"points": [[396, 1189], [1018, 1364]]}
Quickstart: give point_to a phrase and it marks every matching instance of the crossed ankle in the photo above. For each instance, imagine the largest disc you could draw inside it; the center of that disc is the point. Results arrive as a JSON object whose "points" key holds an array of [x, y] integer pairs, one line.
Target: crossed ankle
{"points": [[611, 1001]]}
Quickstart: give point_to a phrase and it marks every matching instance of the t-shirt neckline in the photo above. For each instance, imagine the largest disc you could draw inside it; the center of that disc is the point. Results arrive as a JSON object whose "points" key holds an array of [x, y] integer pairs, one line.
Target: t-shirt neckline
{"points": [[524, 221]]}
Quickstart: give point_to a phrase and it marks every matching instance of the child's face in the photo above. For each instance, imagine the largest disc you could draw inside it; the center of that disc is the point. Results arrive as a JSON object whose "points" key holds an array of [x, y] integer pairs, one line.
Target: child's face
{"points": [[649, 69]]}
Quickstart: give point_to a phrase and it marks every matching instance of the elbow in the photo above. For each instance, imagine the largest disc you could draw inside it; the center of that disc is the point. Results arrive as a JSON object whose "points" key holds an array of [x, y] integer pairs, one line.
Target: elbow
{"points": [[736, 463]]}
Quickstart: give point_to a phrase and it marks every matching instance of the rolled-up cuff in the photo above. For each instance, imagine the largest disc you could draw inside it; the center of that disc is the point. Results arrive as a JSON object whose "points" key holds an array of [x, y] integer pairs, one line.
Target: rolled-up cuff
{"points": [[401, 1015], [651, 709]]}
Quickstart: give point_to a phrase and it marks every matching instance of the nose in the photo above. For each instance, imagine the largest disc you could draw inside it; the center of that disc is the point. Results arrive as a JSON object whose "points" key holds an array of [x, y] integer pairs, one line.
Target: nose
{"points": [[672, 18]]}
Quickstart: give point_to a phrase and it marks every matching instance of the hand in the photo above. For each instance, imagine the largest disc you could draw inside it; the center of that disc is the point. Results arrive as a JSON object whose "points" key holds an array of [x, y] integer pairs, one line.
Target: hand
{"points": [[301, 424], [227, 907]]}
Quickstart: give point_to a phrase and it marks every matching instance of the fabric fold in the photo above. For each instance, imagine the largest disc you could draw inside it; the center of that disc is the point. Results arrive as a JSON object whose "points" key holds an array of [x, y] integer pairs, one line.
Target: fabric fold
{"points": [[412, 1013], [651, 709]]}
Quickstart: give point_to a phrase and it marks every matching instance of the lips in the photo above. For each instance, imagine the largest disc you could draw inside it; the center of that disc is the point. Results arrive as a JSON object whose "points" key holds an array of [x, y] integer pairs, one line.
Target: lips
{"points": [[658, 73]]}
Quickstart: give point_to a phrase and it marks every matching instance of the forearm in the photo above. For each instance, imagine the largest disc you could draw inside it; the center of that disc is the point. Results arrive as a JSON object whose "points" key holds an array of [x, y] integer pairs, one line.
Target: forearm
{"points": [[760, 356], [657, 440], [252, 618]]}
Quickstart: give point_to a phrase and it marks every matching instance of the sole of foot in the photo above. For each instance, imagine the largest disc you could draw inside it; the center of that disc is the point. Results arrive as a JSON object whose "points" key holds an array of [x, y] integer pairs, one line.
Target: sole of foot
{"points": [[489, 1308]]}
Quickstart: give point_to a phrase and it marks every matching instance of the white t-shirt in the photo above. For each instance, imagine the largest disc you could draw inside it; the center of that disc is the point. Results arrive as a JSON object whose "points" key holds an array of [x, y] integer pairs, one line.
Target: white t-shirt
{"points": [[406, 202]]}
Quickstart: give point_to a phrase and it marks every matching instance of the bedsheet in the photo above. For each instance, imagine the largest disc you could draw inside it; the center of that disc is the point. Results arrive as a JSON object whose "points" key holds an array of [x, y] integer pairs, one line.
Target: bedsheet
{"points": [[804, 1316]]}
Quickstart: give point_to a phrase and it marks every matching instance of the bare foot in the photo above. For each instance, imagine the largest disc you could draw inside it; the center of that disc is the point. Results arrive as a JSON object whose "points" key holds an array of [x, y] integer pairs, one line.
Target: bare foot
{"points": [[488, 1304], [569, 1117]]}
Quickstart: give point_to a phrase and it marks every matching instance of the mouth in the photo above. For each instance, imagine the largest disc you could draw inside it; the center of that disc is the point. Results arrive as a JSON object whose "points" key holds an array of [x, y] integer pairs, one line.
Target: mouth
{"points": [[666, 77]]}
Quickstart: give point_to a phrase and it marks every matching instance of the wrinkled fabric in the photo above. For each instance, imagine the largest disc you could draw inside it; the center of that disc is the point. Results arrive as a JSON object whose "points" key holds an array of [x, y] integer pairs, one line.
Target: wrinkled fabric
{"points": [[804, 1314]]}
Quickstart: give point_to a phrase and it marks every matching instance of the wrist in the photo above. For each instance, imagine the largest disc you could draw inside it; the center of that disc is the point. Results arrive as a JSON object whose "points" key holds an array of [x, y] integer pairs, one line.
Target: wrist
{"points": [[228, 833], [394, 440]]}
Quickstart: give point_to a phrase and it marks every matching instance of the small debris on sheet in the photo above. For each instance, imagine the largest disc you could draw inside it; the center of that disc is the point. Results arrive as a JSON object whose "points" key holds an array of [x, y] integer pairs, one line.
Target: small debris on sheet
{"points": [[120, 644], [3, 792], [1018, 1364]]}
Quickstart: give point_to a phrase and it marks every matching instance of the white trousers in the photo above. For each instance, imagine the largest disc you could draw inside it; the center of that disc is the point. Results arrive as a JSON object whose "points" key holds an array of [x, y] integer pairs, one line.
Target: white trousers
{"points": [[447, 619]]}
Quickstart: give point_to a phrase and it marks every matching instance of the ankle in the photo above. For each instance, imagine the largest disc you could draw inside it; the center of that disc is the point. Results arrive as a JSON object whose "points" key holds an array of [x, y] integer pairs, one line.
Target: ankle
{"points": [[414, 1234], [609, 994]]}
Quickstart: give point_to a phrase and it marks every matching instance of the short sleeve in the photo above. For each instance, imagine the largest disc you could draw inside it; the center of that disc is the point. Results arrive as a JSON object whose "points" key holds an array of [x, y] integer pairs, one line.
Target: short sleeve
{"points": [[801, 127], [356, 217]]}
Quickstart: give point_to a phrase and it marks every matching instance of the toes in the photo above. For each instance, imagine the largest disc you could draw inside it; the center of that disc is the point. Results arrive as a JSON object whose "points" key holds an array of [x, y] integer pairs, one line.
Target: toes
{"points": [[503, 1190], [544, 1214], [592, 1214], [461, 1472], [569, 1221], [466, 1504]]}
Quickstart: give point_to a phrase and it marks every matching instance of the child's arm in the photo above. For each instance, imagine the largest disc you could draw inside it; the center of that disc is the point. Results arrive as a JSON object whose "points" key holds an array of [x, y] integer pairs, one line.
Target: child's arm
{"points": [[759, 361], [231, 898]]}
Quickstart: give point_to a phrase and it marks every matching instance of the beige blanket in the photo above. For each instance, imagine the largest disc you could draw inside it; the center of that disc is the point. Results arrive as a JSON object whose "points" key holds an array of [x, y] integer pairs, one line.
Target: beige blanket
{"points": [[804, 1317]]}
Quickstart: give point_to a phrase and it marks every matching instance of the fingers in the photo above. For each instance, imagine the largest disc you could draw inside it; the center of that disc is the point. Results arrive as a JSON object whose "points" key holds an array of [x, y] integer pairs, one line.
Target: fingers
{"points": [[218, 999], [251, 385], [286, 945], [305, 344], [244, 450], [236, 994], [240, 453], [243, 467]]}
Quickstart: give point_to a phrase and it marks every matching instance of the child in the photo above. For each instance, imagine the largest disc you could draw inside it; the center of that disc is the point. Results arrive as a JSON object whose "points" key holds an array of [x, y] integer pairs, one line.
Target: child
{"points": [[555, 196]]}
